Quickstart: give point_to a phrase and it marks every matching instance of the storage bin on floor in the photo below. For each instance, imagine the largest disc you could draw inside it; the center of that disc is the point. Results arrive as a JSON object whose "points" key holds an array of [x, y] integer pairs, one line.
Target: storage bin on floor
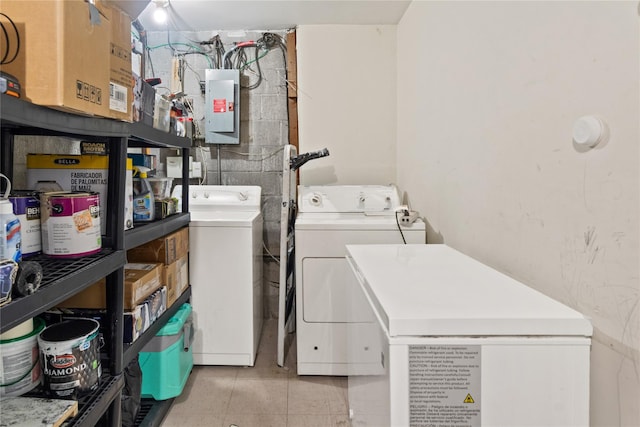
{"points": [[167, 359]]}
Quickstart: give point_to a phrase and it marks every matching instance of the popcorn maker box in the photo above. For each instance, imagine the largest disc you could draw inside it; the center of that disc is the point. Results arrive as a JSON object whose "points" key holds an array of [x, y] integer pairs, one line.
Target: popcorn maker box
{"points": [[72, 173]]}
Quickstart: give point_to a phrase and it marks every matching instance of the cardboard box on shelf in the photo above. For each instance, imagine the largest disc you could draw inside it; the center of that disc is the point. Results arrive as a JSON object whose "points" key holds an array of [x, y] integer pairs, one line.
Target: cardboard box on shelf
{"points": [[72, 173], [135, 321], [94, 297], [63, 61], [176, 279], [140, 281], [120, 71], [166, 250]]}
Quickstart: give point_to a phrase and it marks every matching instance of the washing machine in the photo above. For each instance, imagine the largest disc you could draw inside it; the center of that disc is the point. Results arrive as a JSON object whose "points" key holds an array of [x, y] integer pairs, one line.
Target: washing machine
{"points": [[329, 217], [225, 272]]}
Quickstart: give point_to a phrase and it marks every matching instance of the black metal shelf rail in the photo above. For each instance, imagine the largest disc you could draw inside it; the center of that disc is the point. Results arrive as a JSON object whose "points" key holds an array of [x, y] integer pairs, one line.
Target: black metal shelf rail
{"points": [[17, 113], [131, 350], [94, 406], [61, 279], [152, 412], [143, 233]]}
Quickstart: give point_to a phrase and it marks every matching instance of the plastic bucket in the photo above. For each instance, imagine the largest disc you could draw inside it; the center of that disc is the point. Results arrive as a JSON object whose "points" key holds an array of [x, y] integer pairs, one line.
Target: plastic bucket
{"points": [[20, 364], [70, 357]]}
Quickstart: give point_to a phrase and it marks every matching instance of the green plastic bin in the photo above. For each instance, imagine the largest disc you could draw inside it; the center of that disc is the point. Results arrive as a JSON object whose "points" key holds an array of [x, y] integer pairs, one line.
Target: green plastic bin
{"points": [[167, 359]]}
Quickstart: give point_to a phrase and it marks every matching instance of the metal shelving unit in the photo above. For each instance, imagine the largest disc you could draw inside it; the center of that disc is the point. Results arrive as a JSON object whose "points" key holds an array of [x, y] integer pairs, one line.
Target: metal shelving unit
{"points": [[64, 278]]}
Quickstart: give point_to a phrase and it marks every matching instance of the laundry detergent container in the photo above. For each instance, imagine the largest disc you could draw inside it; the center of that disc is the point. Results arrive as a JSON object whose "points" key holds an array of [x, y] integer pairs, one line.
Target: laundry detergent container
{"points": [[167, 359]]}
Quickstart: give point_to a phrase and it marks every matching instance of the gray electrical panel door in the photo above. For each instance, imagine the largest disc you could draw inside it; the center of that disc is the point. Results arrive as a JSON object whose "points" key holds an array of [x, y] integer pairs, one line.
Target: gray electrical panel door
{"points": [[222, 107]]}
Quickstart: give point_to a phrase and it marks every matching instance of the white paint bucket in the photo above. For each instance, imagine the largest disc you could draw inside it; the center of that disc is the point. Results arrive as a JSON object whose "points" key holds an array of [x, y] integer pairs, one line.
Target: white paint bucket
{"points": [[19, 363], [70, 224], [70, 357]]}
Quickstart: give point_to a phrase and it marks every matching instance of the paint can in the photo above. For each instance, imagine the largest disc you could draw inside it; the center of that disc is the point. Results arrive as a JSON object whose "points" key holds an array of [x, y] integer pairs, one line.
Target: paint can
{"points": [[20, 358], [70, 357], [70, 224], [26, 206]]}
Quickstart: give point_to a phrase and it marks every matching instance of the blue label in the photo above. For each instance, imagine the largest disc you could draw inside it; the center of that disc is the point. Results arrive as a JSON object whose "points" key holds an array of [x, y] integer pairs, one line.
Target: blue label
{"points": [[11, 241]]}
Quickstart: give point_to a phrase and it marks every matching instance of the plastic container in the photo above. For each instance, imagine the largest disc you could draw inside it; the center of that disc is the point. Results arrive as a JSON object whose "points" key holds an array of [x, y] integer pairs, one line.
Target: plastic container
{"points": [[143, 199], [10, 236], [161, 187], [20, 363], [167, 359]]}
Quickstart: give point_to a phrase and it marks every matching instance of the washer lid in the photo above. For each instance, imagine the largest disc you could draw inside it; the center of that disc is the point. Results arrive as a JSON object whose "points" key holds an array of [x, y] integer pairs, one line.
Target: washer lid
{"points": [[434, 290]]}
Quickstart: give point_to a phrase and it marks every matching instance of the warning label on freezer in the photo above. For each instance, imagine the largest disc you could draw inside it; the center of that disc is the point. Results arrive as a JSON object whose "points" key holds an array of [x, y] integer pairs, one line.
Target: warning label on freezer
{"points": [[444, 385]]}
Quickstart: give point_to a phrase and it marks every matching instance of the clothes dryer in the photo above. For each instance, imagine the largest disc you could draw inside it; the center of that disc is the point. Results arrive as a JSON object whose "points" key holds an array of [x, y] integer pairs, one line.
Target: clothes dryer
{"points": [[225, 272], [330, 217]]}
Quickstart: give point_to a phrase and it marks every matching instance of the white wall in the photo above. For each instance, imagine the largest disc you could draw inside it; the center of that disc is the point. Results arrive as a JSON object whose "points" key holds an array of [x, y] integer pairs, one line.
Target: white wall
{"points": [[347, 102], [488, 93]]}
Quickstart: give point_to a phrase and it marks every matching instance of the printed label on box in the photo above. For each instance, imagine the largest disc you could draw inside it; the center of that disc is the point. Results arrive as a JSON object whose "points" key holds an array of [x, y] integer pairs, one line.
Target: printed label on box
{"points": [[117, 97]]}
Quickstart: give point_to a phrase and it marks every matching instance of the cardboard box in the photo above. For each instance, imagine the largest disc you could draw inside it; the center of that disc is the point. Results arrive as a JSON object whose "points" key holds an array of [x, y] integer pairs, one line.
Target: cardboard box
{"points": [[72, 173], [120, 71], [63, 60], [176, 279], [135, 321], [140, 281], [165, 250], [94, 297]]}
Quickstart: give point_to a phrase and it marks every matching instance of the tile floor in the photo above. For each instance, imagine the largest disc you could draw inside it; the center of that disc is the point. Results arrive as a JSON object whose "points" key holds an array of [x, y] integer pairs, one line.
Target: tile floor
{"points": [[264, 395]]}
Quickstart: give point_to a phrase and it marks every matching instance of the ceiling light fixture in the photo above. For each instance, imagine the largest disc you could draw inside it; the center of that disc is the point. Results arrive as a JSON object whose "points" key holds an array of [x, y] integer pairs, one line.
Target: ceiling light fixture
{"points": [[160, 14]]}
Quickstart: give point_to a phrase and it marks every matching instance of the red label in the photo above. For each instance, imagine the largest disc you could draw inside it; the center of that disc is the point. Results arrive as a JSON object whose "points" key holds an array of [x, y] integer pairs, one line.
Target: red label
{"points": [[219, 105], [63, 361]]}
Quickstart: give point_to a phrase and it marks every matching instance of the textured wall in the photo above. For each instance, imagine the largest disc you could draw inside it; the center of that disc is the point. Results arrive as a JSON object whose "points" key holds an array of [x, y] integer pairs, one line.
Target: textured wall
{"points": [[257, 160], [488, 93], [347, 102]]}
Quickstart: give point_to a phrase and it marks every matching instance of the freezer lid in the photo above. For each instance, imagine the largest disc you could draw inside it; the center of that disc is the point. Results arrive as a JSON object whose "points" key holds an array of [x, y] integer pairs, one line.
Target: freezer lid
{"points": [[434, 290]]}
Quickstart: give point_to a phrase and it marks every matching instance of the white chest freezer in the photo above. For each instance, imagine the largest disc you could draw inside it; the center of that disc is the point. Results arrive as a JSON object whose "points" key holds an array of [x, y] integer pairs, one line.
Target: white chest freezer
{"points": [[453, 342]]}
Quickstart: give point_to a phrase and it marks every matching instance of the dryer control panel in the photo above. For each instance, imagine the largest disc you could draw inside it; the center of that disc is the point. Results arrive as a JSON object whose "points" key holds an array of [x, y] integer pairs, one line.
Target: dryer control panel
{"points": [[369, 199]]}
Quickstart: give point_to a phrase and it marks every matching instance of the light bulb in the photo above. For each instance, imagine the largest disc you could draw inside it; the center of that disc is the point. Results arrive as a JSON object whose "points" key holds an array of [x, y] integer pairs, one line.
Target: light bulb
{"points": [[160, 15]]}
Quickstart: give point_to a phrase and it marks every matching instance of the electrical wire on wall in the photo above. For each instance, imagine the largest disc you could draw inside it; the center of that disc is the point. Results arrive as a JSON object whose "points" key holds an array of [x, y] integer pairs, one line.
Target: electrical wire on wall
{"points": [[245, 56]]}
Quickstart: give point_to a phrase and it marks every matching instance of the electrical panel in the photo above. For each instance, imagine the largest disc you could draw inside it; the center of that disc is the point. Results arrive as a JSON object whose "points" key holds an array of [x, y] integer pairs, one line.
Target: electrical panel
{"points": [[222, 107]]}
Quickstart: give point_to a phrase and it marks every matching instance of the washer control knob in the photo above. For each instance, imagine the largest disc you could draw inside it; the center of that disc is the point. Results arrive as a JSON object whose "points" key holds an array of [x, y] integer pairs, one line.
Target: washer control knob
{"points": [[206, 195], [194, 195], [315, 200]]}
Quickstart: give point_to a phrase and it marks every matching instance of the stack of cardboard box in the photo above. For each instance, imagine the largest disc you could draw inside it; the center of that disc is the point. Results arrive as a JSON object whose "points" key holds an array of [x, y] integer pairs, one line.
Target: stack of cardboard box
{"points": [[155, 276], [172, 251], [75, 55]]}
